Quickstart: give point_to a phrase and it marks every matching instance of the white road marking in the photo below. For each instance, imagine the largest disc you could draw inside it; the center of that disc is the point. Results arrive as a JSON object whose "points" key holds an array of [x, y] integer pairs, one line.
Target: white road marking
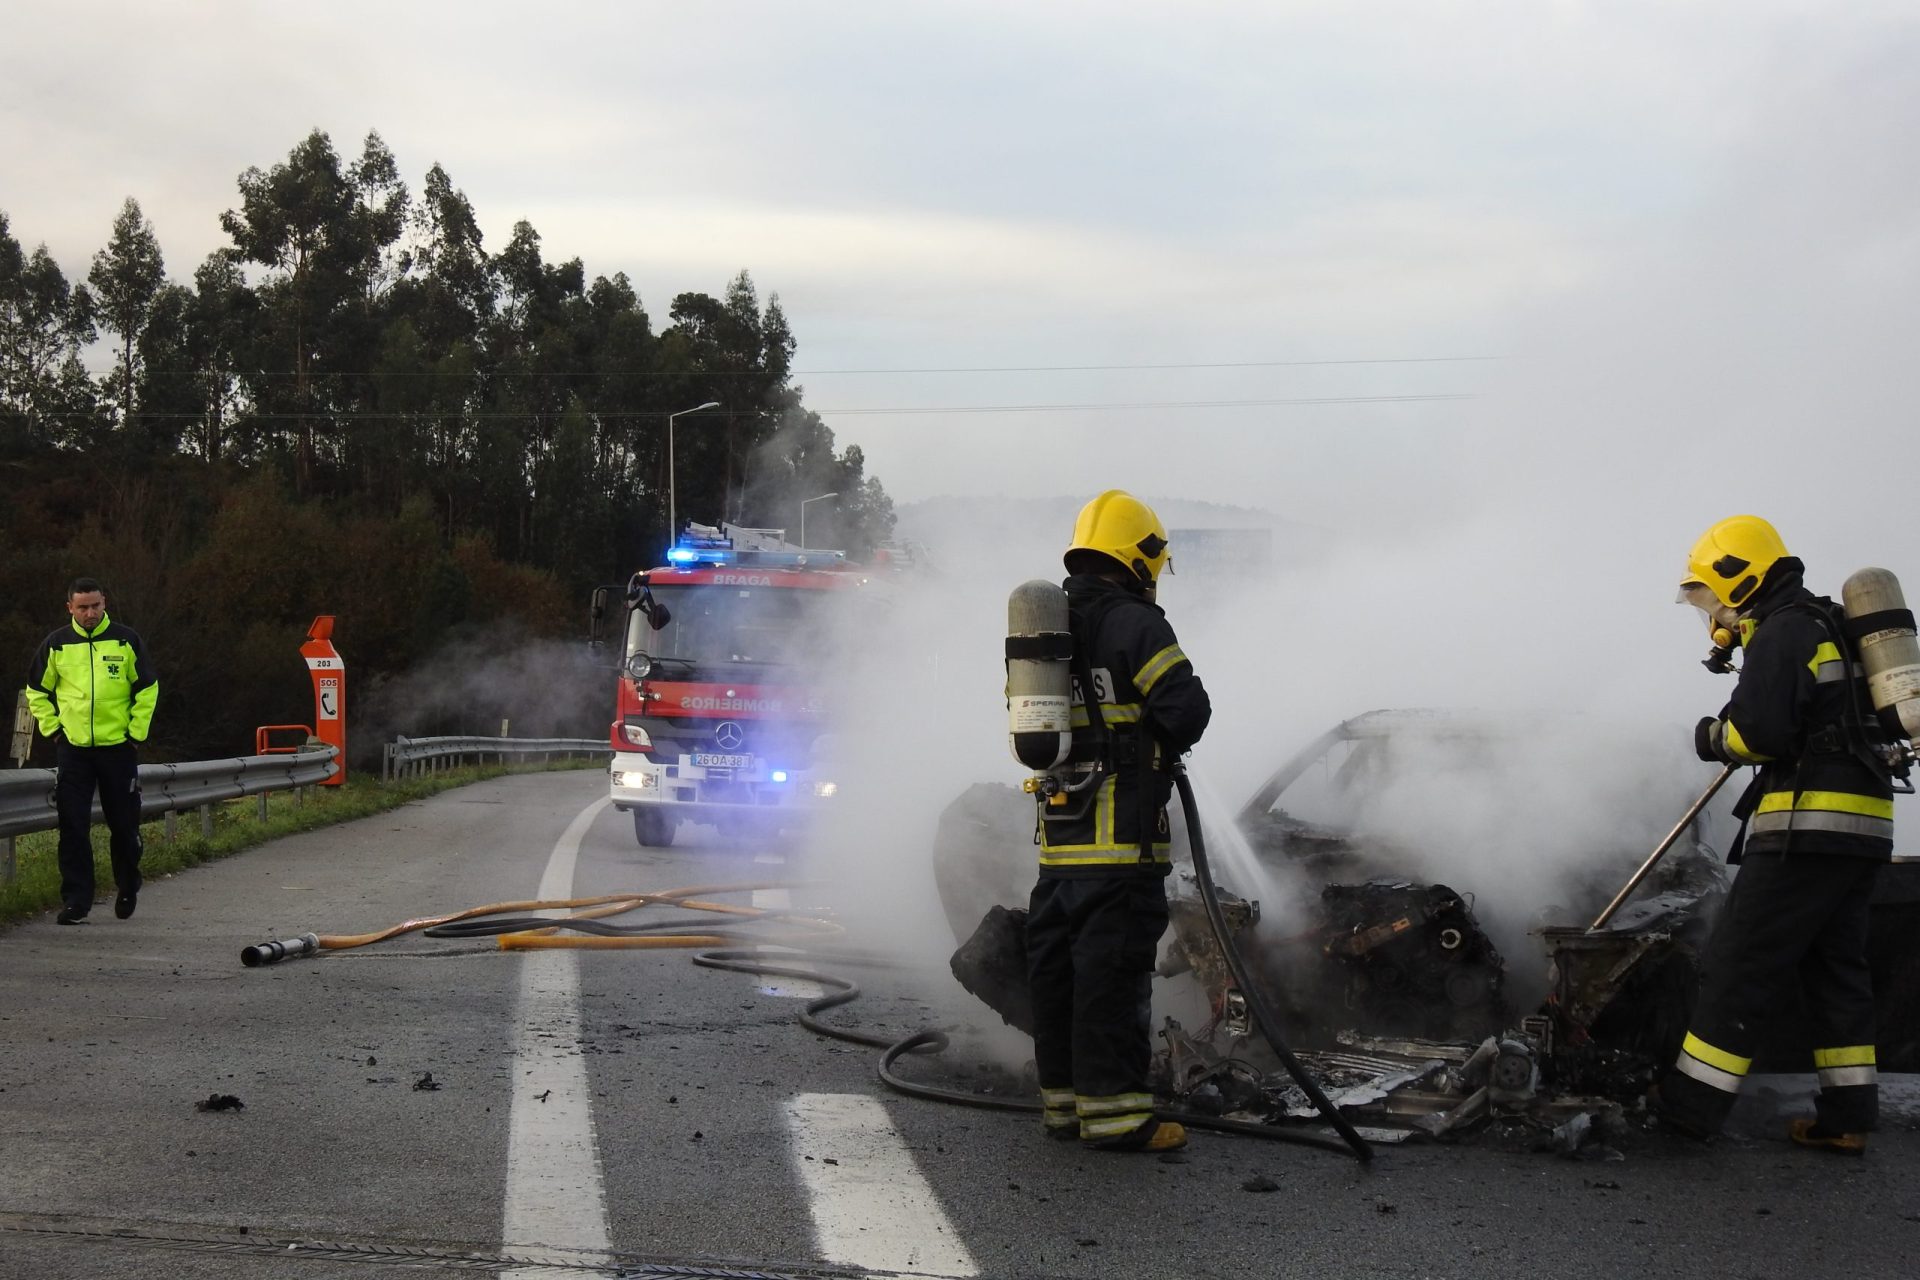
{"points": [[796, 988], [554, 1200], [871, 1208]]}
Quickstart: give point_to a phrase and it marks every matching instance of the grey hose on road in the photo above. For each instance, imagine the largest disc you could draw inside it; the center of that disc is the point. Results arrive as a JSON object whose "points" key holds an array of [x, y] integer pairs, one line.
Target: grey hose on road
{"points": [[931, 1040]]}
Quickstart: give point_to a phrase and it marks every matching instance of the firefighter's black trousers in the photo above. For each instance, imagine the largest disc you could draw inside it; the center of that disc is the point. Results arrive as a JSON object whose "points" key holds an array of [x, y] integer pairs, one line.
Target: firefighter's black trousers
{"points": [[115, 772], [1090, 951], [1790, 917]]}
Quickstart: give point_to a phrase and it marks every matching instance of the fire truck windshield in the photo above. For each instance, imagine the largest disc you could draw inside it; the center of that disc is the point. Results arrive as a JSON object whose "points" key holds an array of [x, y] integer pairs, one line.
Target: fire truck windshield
{"points": [[715, 625]]}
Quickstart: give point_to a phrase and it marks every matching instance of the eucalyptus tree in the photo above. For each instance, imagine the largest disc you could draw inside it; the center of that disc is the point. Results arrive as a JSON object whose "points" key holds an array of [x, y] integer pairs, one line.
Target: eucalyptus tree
{"points": [[298, 220], [127, 278], [45, 322]]}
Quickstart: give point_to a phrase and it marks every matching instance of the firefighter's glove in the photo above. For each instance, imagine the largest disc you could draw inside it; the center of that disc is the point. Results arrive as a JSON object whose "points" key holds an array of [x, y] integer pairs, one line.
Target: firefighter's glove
{"points": [[1707, 737]]}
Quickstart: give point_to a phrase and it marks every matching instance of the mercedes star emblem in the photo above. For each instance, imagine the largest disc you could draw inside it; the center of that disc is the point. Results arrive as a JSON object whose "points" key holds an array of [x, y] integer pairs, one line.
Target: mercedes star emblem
{"points": [[729, 735]]}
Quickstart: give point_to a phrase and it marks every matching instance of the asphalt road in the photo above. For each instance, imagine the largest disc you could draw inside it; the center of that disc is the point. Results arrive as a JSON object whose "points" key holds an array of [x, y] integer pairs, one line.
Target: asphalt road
{"points": [[444, 1107]]}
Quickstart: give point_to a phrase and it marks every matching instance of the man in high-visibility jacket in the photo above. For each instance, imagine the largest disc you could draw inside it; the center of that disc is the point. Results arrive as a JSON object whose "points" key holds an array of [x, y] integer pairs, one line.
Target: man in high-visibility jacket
{"points": [[92, 689], [1100, 904], [1818, 827]]}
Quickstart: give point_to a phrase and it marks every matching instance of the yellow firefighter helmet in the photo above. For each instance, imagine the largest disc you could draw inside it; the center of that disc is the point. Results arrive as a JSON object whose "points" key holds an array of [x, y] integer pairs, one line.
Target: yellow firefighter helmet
{"points": [[1119, 525], [1732, 558]]}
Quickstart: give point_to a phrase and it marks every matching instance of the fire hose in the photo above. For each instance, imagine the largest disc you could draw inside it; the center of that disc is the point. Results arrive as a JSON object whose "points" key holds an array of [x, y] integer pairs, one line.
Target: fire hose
{"points": [[1262, 1017], [517, 933], [528, 932]]}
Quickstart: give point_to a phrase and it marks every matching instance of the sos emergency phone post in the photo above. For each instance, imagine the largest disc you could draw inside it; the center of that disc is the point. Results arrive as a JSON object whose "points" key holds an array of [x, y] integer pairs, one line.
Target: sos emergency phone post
{"points": [[329, 673]]}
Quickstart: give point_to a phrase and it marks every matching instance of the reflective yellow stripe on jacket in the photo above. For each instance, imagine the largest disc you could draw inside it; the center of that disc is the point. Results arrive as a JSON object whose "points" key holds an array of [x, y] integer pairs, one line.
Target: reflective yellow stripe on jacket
{"points": [[1829, 665], [1737, 746], [1157, 666], [1837, 811]]}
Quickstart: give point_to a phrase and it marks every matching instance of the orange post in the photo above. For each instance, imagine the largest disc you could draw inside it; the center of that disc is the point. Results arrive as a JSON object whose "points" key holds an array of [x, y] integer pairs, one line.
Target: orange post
{"points": [[329, 692]]}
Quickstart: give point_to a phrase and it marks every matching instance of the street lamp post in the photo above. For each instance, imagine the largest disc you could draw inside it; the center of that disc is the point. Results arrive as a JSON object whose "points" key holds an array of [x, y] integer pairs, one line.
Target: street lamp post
{"points": [[673, 514], [803, 516]]}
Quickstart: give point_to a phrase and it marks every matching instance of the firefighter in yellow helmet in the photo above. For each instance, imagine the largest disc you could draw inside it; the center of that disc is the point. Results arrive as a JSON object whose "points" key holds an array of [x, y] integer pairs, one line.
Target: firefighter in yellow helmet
{"points": [[1817, 824], [1100, 904]]}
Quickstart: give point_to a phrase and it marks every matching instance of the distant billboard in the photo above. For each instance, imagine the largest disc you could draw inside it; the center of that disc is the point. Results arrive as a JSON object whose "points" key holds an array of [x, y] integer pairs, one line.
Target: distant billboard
{"points": [[1208, 551]]}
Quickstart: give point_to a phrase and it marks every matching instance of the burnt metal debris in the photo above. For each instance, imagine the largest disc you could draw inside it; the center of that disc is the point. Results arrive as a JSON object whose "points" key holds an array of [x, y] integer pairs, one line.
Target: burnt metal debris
{"points": [[1396, 997]]}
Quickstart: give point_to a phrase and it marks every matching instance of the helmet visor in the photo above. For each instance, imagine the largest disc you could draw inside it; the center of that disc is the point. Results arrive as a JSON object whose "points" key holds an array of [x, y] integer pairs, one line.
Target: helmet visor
{"points": [[1698, 594], [1719, 617]]}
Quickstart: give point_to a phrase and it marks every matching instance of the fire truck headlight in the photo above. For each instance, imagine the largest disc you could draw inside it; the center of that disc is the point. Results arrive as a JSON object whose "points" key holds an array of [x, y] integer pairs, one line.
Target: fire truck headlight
{"points": [[637, 736], [643, 780], [778, 775], [825, 789], [639, 665]]}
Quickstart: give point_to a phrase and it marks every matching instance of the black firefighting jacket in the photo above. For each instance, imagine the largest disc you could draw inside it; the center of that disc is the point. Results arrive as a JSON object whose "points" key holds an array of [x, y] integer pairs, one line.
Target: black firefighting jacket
{"points": [[1152, 706], [1800, 712]]}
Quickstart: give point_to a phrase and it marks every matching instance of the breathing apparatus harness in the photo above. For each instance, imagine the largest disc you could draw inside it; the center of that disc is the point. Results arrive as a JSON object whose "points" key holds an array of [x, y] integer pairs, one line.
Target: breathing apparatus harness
{"points": [[1860, 732], [1070, 787]]}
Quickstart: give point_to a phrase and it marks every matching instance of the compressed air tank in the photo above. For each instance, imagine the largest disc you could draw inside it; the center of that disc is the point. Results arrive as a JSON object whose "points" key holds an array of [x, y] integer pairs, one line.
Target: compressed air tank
{"points": [[1039, 675], [1882, 628]]}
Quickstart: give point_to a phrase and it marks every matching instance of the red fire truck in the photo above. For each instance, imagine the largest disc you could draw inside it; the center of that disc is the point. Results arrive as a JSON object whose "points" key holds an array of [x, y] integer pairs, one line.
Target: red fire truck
{"points": [[724, 654]]}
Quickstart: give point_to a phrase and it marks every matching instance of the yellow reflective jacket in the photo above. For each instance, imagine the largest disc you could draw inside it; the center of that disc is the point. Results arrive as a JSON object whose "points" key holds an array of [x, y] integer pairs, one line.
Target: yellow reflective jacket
{"points": [[97, 687]]}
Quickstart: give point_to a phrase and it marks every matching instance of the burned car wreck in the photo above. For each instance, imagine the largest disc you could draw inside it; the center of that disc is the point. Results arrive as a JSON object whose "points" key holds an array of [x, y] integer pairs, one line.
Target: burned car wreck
{"points": [[1428, 990]]}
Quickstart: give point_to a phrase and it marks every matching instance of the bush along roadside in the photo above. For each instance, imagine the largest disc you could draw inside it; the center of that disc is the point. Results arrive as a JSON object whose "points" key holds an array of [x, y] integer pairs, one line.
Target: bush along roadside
{"points": [[236, 826]]}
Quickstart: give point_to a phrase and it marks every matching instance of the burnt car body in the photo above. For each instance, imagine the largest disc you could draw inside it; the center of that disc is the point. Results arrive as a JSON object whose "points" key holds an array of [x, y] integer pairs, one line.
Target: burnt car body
{"points": [[1360, 936]]}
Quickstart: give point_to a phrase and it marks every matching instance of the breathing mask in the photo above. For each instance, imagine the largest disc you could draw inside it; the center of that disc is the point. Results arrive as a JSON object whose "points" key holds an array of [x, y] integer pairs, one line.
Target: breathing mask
{"points": [[1723, 624]]}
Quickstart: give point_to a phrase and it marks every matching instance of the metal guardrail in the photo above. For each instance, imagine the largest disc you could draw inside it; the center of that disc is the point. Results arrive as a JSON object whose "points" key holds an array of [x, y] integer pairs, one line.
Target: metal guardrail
{"points": [[411, 757], [27, 803]]}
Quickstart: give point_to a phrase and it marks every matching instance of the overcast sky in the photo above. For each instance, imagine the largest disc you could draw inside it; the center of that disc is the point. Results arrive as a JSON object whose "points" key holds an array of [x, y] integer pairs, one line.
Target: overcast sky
{"points": [[1668, 249], [1584, 277]]}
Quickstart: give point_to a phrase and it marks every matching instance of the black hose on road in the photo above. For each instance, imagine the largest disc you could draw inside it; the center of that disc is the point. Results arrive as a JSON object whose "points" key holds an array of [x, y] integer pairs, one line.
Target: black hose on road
{"points": [[1262, 1016], [932, 1040]]}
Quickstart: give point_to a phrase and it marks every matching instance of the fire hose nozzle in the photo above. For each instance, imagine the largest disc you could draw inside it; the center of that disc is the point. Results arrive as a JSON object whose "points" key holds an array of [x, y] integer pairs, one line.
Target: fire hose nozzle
{"points": [[274, 952]]}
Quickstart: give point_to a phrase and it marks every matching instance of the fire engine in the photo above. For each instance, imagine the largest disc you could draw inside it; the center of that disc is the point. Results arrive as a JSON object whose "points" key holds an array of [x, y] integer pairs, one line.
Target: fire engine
{"points": [[719, 712]]}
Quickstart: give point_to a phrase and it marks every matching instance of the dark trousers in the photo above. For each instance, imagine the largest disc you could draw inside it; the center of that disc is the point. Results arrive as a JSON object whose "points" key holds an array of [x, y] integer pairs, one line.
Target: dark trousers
{"points": [[1790, 917], [115, 773], [1090, 950]]}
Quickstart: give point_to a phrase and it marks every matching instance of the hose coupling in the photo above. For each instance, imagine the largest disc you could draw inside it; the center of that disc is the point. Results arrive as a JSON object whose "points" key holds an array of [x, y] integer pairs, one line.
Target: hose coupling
{"points": [[274, 952]]}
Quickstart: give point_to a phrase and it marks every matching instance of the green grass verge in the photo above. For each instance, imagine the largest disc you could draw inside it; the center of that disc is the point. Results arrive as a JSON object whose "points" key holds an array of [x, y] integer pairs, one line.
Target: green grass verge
{"points": [[35, 886]]}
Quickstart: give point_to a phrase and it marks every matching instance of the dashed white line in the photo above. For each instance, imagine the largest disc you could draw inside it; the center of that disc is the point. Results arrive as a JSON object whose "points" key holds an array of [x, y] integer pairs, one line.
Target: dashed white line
{"points": [[871, 1206], [555, 1200]]}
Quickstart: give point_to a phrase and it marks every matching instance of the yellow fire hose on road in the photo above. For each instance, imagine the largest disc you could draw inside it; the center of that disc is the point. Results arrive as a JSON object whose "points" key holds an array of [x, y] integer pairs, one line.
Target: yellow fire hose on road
{"points": [[526, 933]]}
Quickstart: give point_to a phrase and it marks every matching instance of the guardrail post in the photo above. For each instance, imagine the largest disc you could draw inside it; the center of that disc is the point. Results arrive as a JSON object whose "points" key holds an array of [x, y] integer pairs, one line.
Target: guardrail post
{"points": [[170, 828], [260, 810], [9, 862], [299, 797], [206, 822]]}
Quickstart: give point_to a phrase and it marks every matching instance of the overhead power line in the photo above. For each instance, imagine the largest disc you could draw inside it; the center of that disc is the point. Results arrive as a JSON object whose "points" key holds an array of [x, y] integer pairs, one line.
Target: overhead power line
{"points": [[904, 411], [1116, 368], [532, 375], [1149, 404]]}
